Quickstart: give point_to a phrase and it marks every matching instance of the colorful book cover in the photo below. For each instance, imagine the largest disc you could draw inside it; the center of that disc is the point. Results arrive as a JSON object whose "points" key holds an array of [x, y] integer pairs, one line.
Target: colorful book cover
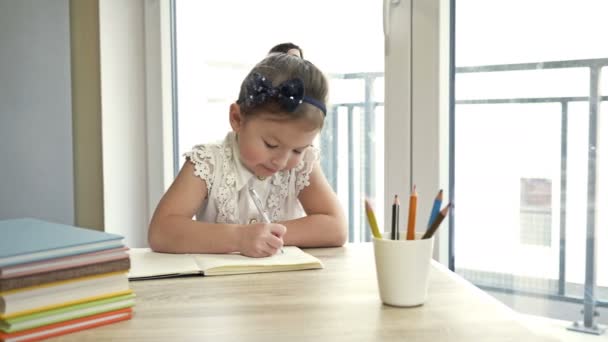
{"points": [[57, 315], [70, 273], [62, 293], [63, 262], [62, 328], [27, 240]]}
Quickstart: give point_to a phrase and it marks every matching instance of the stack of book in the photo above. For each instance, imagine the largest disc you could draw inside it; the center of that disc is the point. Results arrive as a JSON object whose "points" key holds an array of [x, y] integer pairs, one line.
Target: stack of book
{"points": [[56, 279]]}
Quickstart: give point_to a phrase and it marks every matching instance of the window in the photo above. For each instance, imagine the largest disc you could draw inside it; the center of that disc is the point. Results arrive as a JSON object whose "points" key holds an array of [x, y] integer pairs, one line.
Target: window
{"points": [[528, 164]]}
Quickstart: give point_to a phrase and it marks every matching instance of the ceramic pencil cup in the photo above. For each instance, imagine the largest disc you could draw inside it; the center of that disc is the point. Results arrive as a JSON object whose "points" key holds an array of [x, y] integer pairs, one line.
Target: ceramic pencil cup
{"points": [[402, 269]]}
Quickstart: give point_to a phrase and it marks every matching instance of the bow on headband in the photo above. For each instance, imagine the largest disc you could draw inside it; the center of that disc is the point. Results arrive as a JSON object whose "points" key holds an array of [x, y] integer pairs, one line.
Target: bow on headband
{"points": [[288, 94]]}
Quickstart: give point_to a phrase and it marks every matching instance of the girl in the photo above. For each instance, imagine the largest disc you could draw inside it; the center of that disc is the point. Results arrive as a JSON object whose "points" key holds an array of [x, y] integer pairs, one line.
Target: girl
{"points": [[279, 112]]}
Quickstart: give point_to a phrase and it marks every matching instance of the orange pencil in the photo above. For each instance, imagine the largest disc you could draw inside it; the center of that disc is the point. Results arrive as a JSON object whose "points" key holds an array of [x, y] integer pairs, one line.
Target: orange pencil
{"points": [[411, 218]]}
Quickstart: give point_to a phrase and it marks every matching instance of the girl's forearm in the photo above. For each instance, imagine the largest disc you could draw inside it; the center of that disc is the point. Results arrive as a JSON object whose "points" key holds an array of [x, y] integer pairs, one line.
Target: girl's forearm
{"points": [[177, 234], [316, 230]]}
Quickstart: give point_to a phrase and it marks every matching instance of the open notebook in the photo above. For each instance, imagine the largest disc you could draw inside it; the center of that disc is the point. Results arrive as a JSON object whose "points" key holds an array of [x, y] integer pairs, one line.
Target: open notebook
{"points": [[146, 264]]}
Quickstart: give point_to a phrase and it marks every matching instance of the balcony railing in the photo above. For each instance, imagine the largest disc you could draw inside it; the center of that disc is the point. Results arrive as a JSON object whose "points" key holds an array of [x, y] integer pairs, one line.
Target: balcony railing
{"points": [[359, 136], [594, 99]]}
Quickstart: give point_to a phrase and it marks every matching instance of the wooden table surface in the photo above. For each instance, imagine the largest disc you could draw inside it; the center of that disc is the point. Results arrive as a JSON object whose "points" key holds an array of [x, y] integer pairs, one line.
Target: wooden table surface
{"points": [[337, 303]]}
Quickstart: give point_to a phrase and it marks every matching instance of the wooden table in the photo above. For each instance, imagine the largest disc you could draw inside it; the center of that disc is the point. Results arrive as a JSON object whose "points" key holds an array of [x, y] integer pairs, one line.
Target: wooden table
{"points": [[338, 303]]}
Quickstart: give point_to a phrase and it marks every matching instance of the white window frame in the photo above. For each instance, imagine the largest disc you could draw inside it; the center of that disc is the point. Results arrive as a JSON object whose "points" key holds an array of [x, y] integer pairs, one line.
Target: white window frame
{"points": [[417, 109], [136, 113]]}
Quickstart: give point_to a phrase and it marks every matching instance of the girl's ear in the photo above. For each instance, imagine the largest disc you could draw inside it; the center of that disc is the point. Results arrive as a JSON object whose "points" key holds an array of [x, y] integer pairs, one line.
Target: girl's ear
{"points": [[236, 117]]}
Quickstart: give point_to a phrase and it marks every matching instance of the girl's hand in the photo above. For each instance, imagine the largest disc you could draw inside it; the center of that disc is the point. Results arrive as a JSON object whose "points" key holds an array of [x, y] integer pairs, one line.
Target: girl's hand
{"points": [[261, 239]]}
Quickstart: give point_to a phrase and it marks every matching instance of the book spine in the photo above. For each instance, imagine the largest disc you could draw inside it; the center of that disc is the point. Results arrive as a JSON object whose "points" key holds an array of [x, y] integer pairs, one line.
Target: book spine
{"points": [[64, 274], [62, 328]]}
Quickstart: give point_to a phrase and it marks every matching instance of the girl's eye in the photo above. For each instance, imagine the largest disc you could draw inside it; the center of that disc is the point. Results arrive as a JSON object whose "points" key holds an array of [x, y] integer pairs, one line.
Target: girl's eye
{"points": [[269, 145], [297, 152]]}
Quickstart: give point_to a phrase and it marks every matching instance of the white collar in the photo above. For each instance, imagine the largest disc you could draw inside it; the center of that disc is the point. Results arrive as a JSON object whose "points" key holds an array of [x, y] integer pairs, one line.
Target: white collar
{"points": [[243, 175]]}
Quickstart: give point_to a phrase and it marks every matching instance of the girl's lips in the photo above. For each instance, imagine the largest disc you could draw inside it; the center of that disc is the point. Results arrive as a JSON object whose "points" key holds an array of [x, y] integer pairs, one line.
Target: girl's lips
{"points": [[269, 169]]}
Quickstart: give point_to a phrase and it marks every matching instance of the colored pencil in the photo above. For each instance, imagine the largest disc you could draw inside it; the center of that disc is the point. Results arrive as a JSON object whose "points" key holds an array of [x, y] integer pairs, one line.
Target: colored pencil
{"points": [[436, 207], [411, 219], [395, 219], [442, 214], [371, 218]]}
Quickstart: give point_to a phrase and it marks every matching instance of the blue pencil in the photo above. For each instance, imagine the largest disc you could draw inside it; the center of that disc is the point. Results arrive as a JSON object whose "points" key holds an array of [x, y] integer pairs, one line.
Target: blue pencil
{"points": [[436, 207]]}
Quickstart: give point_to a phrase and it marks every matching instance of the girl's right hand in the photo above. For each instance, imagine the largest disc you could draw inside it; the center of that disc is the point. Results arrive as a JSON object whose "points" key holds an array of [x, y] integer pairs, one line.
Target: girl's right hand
{"points": [[261, 239]]}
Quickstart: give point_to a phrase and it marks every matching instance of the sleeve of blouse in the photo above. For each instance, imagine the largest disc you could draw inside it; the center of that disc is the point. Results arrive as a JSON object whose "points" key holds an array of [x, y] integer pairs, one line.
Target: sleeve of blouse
{"points": [[304, 168], [203, 158]]}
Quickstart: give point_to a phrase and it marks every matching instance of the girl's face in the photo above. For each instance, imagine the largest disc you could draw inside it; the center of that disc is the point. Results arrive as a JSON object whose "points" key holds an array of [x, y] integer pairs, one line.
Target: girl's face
{"points": [[268, 146]]}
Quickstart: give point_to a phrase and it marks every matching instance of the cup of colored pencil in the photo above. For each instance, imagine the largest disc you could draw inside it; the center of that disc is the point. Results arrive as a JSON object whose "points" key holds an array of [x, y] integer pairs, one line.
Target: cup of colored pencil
{"points": [[403, 258]]}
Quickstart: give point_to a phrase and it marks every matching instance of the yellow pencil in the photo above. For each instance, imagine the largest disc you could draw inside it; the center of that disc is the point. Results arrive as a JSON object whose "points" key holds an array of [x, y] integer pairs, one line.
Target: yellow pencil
{"points": [[372, 220]]}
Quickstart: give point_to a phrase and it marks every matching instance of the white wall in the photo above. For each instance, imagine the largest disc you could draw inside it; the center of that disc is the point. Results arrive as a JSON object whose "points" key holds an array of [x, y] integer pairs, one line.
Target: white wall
{"points": [[36, 163]]}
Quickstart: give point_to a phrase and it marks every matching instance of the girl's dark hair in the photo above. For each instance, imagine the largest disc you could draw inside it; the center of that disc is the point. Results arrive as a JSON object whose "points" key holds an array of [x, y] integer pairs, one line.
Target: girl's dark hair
{"points": [[285, 47], [280, 67]]}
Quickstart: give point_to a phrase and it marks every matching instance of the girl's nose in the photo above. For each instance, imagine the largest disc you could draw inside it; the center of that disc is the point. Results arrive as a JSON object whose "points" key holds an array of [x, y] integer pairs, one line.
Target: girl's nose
{"points": [[280, 160]]}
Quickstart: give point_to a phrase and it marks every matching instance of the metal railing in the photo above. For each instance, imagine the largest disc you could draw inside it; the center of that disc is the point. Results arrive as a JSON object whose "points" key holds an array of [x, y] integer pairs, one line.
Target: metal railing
{"points": [[594, 66], [366, 136]]}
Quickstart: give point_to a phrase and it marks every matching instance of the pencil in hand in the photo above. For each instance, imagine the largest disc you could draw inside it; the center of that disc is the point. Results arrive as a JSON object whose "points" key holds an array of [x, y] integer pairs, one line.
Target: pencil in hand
{"points": [[442, 214], [371, 218], [395, 219], [411, 219], [258, 205]]}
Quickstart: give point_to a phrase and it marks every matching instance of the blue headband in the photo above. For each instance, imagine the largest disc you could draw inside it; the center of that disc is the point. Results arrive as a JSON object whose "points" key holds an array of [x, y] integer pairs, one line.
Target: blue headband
{"points": [[289, 94]]}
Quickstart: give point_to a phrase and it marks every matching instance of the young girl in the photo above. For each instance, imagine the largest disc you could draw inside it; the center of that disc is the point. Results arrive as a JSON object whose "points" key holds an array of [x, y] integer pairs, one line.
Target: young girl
{"points": [[279, 112]]}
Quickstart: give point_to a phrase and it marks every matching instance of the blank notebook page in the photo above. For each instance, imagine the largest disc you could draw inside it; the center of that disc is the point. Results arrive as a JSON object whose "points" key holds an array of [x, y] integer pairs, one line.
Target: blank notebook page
{"points": [[145, 263], [292, 256]]}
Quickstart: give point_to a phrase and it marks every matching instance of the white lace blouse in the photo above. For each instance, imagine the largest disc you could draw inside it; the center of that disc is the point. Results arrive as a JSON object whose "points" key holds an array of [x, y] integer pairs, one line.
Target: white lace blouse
{"points": [[228, 199]]}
